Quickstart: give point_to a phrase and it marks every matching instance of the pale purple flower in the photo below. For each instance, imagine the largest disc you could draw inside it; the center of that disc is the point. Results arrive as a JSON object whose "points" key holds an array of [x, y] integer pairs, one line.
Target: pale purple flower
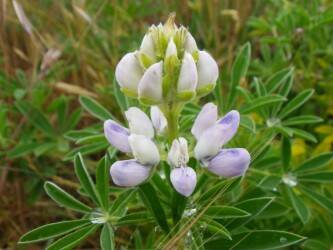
{"points": [[230, 162], [117, 135], [129, 173], [188, 76], [137, 141], [182, 177], [208, 71], [184, 180], [212, 135]]}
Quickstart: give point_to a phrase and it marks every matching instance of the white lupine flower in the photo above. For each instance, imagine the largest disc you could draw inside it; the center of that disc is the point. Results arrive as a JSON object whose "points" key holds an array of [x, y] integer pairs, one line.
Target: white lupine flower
{"points": [[171, 49], [129, 72], [150, 86], [117, 135], [205, 119], [208, 70], [139, 122], [230, 162], [129, 173], [147, 46], [188, 76], [144, 149], [178, 153], [158, 119], [190, 44]]}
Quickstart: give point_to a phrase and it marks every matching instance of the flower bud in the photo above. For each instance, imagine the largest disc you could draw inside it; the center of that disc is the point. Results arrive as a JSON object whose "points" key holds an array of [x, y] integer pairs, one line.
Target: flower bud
{"points": [[139, 122], [188, 78], [150, 85], [171, 49], [117, 135], [213, 138], [158, 119], [230, 162], [190, 44], [184, 180], [178, 153], [207, 73], [144, 149], [147, 46], [129, 73], [205, 119], [230, 123], [129, 173]]}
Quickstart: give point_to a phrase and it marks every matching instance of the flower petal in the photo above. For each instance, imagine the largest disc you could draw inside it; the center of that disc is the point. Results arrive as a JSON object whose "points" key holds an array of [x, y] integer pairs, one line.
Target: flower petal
{"points": [[139, 122], [184, 180], [117, 135], [209, 143], [205, 119], [230, 123], [178, 153], [230, 162], [144, 149], [208, 70], [147, 46], [129, 173], [188, 76], [158, 119], [129, 72], [150, 85], [190, 44], [171, 49]]}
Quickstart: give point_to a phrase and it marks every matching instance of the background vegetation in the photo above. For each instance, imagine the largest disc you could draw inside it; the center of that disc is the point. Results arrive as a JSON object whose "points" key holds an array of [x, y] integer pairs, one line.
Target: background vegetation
{"points": [[41, 117]]}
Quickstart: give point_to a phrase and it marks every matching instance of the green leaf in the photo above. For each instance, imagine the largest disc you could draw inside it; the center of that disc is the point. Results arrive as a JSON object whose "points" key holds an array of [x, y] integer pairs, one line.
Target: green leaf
{"points": [[285, 153], [239, 69], [150, 198], [303, 134], [135, 218], [254, 207], [277, 79], [73, 239], [315, 162], [215, 227], [319, 198], [64, 199], [261, 102], [23, 149], [248, 123], [102, 181], [120, 97], [107, 238], [121, 201], [87, 149], [52, 230], [91, 139], [35, 117], [321, 177], [223, 212], [257, 240], [301, 120], [298, 204], [85, 179], [297, 102], [94, 108]]}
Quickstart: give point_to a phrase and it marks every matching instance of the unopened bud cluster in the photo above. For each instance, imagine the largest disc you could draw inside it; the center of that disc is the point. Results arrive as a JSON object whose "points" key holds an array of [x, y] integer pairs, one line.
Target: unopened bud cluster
{"points": [[168, 67]]}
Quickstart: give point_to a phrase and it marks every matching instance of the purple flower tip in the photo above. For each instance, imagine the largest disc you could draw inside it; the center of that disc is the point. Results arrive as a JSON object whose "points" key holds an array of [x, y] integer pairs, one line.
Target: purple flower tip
{"points": [[184, 180]]}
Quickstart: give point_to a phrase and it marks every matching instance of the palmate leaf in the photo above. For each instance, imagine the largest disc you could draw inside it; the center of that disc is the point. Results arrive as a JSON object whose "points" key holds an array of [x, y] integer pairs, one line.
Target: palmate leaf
{"points": [[298, 204], [277, 79], [319, 177], [52, 230], [257, 240], [315, 163], [102, 181], [261, 102], [214, 227], [224, 212], [319, 198], [121, 201]]}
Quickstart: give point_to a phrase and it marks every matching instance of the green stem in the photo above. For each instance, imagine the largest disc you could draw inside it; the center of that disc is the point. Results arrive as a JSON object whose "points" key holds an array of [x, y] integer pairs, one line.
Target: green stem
{"points": [[172, 112]]}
